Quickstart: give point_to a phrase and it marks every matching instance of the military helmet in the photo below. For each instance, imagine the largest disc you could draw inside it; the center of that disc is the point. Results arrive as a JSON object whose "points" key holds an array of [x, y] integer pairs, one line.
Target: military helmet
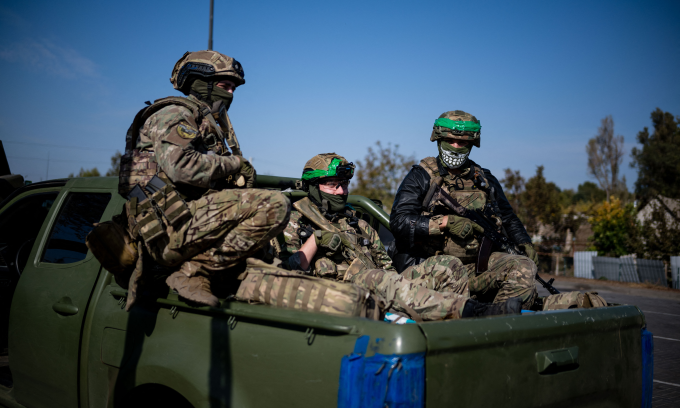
{"points": [[457, 125], [327, 165], [205, 64]]}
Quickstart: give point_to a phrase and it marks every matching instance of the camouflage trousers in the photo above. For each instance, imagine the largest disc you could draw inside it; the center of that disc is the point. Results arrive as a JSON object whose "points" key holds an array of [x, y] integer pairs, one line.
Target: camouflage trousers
{"points": [[436, 289], [225, 228], [508, 276]]}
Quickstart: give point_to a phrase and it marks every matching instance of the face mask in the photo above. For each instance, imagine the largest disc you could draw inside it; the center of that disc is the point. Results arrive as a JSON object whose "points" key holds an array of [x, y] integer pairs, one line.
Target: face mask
{"points": [[335, 202], [218, 94], [452, 157]]}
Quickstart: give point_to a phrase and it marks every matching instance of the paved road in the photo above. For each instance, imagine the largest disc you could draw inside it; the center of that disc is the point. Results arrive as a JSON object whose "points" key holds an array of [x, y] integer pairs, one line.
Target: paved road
{"points": [[662, 313]]}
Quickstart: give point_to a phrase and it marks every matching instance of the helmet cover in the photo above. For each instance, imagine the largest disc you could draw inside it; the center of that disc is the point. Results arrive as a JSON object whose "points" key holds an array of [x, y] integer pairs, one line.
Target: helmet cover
{"points": [[208, 65], [457, 125], [327, 165]]}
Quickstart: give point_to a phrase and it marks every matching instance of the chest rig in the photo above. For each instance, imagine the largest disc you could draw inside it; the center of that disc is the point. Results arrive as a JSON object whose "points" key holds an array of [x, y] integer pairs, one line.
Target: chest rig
{"points": [[155, 208], [471, 190], [355, 241], [138, 164]]}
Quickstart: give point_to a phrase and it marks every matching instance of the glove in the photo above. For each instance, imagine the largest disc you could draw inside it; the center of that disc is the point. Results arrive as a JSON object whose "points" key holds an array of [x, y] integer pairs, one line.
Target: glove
{"points": [[328, 240], [462, 227], [246, 174], [531, 252]]}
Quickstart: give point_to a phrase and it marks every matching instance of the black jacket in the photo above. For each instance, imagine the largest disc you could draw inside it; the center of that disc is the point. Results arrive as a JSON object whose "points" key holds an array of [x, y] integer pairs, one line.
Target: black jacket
{"points": [[409, 227]]}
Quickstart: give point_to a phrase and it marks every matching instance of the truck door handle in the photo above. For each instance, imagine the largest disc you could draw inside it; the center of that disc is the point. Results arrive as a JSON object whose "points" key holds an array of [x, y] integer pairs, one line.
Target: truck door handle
{"points": [[557, 361], [65, 307]]}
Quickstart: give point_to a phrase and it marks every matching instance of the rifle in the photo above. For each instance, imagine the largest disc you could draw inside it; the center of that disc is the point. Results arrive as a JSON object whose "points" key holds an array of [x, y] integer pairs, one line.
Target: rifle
{"points": [[491, 236]]}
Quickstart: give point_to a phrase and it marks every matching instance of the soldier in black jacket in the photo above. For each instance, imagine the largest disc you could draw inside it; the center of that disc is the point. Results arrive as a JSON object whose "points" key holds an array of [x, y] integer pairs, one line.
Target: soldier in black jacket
{"points": [[423, 229]]}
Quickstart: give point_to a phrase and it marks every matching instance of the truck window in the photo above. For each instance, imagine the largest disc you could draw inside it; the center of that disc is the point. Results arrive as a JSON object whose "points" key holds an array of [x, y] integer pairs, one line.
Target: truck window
{"points": [[66, 243], [19, 225]]}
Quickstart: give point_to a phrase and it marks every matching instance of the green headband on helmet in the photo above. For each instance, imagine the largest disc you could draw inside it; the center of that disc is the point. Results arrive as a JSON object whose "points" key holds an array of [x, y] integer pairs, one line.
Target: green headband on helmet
{"points": [[334, 169], [460, 125]]}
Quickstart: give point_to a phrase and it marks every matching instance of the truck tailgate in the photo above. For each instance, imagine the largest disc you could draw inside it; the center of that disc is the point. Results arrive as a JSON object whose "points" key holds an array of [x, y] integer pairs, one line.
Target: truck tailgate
{"points": [[577, 357]]}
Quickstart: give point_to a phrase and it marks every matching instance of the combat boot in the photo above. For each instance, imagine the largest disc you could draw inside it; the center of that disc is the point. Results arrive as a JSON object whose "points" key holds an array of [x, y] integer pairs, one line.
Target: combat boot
{"points": [[474, 308], [193, 283]]}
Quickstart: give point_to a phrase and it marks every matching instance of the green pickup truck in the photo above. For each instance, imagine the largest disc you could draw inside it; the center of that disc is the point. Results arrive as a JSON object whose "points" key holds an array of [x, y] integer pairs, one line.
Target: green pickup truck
{"points": [[66, 340]]}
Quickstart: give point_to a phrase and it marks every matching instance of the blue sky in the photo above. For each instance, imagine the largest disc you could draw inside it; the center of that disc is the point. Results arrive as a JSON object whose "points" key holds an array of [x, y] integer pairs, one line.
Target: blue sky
{"points": [[339, 76]]}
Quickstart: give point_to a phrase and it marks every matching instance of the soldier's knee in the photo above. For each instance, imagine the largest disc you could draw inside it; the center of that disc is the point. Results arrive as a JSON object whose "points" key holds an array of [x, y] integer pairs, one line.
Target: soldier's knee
{"points": [[277, 207]]}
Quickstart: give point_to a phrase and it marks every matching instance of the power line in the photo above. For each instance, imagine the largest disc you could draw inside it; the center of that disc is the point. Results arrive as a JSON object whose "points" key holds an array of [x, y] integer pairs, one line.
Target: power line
{"points": [[53, 160], [58, 146]]}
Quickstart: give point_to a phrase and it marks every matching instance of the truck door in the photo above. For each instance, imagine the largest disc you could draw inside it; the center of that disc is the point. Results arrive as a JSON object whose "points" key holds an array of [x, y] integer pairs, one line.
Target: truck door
{"points": [[51, 301]]}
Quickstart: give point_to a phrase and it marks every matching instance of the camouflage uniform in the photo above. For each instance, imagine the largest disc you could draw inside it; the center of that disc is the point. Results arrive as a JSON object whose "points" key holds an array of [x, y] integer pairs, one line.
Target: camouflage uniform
{"points": [[436, 289], [179, 140], [507, 276]]}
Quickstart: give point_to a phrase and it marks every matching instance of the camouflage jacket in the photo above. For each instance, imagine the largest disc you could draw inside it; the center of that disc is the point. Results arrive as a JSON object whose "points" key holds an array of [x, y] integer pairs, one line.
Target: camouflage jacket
{"points": [[183, 144], [325, 263]]}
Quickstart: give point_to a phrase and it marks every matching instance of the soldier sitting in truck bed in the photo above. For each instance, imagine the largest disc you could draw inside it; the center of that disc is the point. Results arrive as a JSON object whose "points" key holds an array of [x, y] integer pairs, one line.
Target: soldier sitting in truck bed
{"points": [[175, 171], [324, 238]]}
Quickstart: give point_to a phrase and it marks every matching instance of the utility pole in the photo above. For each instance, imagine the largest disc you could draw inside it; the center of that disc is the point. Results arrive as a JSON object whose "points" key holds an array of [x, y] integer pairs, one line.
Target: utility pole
{"points": [[212, 7]]}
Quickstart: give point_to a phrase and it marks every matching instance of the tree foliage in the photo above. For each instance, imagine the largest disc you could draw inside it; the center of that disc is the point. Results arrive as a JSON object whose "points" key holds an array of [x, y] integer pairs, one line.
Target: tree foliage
{"points": [[115, 165], [93, 172], [659, 236], [380, 173], [658, 160], [541, 201], [613, 224], [513, 184], [605, 154], [589, 191]]}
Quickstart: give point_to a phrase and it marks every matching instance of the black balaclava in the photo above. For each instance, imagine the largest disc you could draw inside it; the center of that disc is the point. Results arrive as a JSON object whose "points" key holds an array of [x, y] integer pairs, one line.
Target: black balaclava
{"points": [[200, 88], [335, 202]]}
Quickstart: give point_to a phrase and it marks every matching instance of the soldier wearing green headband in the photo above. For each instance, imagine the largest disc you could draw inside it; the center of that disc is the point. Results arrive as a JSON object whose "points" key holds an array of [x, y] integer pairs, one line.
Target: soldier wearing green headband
{"points": [[325, 238], [424, 229]]}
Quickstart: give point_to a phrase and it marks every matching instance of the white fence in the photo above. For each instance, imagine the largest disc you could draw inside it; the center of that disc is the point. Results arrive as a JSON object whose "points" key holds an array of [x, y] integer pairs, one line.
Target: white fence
{"points": [[675, 271], [583, 264]]}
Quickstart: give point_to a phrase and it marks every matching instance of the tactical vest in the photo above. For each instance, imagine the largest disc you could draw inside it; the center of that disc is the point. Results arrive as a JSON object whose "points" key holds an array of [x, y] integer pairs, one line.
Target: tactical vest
{"points": [[470, 189], [138, 167], [353, 238]]}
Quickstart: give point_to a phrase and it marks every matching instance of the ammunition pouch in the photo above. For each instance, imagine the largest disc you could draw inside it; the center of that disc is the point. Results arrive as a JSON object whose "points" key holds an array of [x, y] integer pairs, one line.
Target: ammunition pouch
{"points": [[111, 245], [152, 217]]}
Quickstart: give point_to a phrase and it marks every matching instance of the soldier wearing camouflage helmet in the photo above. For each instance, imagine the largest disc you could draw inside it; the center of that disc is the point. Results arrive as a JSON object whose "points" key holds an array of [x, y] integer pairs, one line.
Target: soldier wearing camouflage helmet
{"points": [[325, 238], [190, 199], [424, 229]]}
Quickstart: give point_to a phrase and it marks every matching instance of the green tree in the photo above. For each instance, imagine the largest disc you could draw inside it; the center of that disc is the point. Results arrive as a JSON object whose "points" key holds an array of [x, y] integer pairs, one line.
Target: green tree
{"points": [[613, 224], [381, 172], [659, 236], [589, 191], [115, 165], [605, 154], [513, 187], [541, 200], [658, 160], [93, 172]]}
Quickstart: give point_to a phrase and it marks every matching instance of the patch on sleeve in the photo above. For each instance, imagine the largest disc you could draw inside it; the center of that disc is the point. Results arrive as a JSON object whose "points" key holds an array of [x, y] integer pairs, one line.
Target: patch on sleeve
{"points": [[186, 131]]}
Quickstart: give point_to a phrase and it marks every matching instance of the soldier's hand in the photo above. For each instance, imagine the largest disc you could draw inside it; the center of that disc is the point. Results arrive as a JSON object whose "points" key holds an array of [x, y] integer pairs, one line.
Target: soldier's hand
{"points": [[328, 240], [246, 174], [531, 252], [462, 227]]}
